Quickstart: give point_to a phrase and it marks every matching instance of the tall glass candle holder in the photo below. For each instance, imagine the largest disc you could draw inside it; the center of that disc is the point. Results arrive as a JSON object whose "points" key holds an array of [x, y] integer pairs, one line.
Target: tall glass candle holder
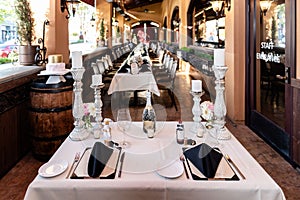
{"points": [[79, 132], [219, 105], [98, 108], [197, 126]]}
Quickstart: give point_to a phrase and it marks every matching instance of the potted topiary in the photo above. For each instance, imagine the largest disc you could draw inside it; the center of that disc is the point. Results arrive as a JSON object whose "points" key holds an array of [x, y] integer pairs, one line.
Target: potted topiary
{"points": [[25, 29], [102, 33]]}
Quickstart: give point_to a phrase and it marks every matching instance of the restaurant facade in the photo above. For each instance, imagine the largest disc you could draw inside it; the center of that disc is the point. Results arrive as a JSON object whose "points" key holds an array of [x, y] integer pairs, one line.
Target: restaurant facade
{"points": [[256, 41], [261, 50]]}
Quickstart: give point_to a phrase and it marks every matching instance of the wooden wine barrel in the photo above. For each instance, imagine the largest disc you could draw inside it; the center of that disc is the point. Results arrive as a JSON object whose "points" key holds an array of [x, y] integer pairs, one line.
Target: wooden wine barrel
{"points": [[51, 117]]}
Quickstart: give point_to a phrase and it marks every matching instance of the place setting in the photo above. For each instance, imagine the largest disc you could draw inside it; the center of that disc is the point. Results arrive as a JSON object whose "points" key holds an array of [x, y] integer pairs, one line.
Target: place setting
{"points": [[208, 163]]}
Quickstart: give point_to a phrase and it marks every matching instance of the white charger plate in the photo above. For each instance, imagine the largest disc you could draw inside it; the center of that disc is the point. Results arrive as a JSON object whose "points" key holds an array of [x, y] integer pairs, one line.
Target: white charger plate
{"points": [[59, 73], [53, 168], [174, 170]]}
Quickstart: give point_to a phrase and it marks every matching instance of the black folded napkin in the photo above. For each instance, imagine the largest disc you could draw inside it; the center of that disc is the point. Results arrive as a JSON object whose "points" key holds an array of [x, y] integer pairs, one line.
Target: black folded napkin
{"points": [[123, 68], [145, 68], [204, 158], [98, 159], [145, 61]]}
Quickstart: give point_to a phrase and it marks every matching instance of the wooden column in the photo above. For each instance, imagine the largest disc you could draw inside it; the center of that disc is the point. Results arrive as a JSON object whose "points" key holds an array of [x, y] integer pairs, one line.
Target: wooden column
{"points": [[295, 137], [57, 32], [104, 11]]}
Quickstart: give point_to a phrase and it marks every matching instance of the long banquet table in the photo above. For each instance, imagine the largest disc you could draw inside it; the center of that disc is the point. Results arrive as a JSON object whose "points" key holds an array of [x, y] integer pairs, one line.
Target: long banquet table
{"points": [[147, 184], [129, 82]]}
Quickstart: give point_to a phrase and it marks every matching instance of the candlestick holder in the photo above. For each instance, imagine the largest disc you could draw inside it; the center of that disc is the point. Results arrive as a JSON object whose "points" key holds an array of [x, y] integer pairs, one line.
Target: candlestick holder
{"points": [[98, 109], [79, 132], [197, 126], [219, 105]]}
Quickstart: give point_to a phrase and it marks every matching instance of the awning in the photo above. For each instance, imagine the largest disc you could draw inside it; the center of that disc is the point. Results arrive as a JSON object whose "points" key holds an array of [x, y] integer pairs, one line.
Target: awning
{"points": [[90, 2]]}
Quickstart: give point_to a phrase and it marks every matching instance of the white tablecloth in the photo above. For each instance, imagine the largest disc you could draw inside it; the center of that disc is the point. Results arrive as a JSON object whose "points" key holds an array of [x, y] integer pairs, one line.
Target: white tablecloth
{"points": [[129, 82], [258, 185]]}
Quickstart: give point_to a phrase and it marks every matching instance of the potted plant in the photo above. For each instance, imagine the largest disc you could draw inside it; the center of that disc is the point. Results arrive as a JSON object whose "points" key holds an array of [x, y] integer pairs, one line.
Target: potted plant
{"points": [[118, 34], [102, 33], [25, 29]]}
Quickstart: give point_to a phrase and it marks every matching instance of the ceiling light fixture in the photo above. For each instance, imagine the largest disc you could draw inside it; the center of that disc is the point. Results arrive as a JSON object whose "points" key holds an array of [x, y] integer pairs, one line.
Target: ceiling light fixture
{"points": [[64, 5], [217, 5]]}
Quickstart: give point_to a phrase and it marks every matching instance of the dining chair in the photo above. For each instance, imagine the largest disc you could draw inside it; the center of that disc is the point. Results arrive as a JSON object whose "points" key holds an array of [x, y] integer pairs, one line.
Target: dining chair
{"points": [[109, 71], [116, 60], [167, 83], [161, 66], [165, 70], [159, 58], [95, 68], [109, 60], [105, 79], [112, 65], [100, 66]]}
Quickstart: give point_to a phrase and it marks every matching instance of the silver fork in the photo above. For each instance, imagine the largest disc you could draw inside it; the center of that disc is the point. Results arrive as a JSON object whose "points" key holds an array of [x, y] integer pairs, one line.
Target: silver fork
{"points": [[76, 159]]}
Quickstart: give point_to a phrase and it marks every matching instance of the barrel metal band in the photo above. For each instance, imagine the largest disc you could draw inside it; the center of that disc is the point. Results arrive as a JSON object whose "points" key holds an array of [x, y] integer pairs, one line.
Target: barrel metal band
{"points": [[50, 110], [51, 90]]}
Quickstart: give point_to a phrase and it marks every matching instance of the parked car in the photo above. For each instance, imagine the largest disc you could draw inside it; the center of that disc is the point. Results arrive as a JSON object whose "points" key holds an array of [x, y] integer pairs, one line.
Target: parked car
{"points": [[6, 49]]}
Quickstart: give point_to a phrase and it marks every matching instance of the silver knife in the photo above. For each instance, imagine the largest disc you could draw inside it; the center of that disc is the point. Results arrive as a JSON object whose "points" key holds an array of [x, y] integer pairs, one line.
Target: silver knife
{"points": [[121, 164], [228, 159]]}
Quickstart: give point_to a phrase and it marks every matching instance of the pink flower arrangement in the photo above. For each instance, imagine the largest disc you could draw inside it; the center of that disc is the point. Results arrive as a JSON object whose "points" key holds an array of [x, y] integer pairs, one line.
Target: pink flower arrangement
{"points": [[207, 108], [89, 110]]}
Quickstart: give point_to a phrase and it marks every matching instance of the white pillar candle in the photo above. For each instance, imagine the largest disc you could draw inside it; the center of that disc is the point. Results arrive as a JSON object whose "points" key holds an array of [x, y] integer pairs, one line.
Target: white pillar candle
{"points": [[145, 31], [196, 86], [219, 57], [76, 59], [97, 79]]}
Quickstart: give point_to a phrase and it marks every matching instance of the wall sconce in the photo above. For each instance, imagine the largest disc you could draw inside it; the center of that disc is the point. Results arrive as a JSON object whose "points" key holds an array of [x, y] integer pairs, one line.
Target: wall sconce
{"points": [[64, 6], [218, 5], [265, 6], [176, 23], [115, 22]]}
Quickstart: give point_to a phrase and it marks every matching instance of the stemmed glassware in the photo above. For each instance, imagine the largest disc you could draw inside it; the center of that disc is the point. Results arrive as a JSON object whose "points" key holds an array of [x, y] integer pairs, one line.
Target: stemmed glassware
{"points": [[124, 122]]}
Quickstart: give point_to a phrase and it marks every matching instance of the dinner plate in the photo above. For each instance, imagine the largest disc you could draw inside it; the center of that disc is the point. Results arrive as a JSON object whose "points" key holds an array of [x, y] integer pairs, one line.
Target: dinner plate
{"points": [[174, 170], [53, 168]]}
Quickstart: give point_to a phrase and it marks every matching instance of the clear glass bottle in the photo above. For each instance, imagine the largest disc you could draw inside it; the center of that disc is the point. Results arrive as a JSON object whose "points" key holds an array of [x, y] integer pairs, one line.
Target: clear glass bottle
{"points": [[149, 118]]}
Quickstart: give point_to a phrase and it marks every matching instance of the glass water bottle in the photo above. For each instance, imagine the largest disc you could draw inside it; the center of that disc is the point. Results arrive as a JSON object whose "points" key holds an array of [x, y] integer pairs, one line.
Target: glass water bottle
{"points": [[149, 118]]}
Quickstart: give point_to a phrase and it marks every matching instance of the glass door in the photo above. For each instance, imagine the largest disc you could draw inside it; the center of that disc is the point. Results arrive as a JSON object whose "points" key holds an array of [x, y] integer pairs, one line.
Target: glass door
{"points": [[269, 71]]}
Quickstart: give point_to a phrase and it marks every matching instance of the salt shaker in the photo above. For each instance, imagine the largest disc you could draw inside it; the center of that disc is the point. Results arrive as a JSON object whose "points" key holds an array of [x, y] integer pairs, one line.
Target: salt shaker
{"points": [[107, 132]]}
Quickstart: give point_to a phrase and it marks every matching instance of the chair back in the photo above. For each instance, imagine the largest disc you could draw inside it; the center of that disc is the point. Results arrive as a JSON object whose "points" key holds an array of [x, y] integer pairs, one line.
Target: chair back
{"points": [[173, 70], [109, 60], [169, 65], [161, 56], [118, 52], [166, 59], [114, 55], [106, 65], [100, 66], [95, 68]]}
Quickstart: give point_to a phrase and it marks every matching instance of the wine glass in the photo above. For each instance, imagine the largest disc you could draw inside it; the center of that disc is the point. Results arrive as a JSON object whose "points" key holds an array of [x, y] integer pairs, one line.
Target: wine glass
{"points": [[124, 122]]}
